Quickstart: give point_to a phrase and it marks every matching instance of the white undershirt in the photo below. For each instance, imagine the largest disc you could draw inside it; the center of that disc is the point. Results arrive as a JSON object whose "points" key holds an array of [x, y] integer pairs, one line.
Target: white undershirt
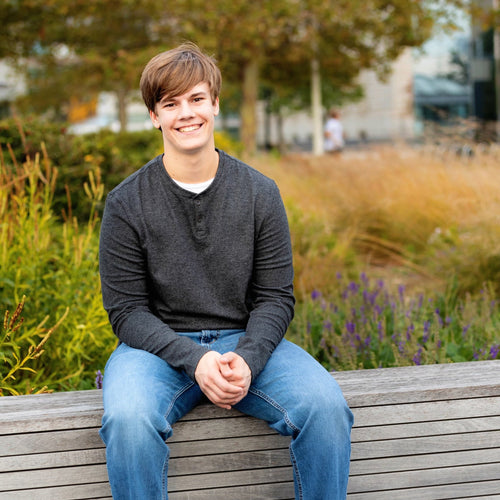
{"points": [[194, 188]]}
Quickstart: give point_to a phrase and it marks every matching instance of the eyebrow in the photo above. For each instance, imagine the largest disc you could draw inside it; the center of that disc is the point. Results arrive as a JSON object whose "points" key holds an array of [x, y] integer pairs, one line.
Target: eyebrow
{"points": [[200, 93]]}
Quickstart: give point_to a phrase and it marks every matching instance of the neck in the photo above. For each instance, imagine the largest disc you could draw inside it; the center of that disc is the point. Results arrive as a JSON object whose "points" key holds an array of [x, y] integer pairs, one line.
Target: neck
{"points": [[191, 169]]}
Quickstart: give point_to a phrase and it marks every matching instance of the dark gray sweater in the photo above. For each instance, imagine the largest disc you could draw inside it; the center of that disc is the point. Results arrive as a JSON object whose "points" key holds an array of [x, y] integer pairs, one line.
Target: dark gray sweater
{"points": [[174, 261]]}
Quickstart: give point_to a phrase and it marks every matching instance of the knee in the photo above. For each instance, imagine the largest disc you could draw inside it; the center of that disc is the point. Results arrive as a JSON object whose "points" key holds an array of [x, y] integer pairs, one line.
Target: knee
{"points": [[327, 409], [133, 423]]}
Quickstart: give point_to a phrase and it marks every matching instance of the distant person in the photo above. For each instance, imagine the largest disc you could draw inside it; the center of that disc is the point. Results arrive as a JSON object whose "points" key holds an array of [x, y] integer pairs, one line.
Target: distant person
{"points": [[334, 133], [197, 280]]}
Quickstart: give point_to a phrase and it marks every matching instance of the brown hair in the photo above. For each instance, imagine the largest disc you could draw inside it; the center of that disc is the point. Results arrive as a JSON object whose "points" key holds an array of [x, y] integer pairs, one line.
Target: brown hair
{"points": [[174, 72]]}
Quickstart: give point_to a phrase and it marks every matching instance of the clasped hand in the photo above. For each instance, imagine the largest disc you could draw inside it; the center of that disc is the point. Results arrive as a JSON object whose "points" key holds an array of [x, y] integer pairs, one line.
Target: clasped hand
{"points": [[223, 378]]}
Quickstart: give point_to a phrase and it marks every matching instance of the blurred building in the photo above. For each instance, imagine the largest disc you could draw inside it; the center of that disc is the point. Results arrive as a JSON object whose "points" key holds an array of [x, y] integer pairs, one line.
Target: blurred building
{"points": [[386, 111], [485, 73]]}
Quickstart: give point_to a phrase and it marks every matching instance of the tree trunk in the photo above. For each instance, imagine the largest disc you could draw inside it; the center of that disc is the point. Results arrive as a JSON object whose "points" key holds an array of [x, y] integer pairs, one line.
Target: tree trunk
{"points": [[248, 127], [122, 97], [317, 108], [281, 133]]}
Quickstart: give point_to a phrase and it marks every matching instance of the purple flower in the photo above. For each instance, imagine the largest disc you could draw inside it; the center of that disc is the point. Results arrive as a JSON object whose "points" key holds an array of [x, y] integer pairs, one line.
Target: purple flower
{"points": [[350, 327], [438, 314], [315, 294], [401, 292], [380, 330], [417, 359], [420, 301], [494, 350], [409, 331], [98, 379], [465, 329]]}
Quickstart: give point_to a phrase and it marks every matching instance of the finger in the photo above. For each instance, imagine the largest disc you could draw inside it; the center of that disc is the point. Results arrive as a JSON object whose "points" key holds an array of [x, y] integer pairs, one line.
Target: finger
{"points": [[225, 368]]}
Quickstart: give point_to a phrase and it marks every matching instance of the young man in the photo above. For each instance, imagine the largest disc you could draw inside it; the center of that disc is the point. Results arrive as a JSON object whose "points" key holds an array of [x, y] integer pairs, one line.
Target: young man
{"points": [[196, 271]]}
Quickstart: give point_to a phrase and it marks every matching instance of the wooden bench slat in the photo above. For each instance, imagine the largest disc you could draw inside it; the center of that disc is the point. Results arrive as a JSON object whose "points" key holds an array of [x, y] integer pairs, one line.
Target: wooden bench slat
{"points": [[416, 479], [23, 444], [217, 429], [438, 428], [422, 462], [208, 448], [488, 489], [53, 460], [424, 445], [275, 491], [65, 476], [230, 462], [228, 479], [419, 383], [91, 491], [427, 411], [10, 424]]}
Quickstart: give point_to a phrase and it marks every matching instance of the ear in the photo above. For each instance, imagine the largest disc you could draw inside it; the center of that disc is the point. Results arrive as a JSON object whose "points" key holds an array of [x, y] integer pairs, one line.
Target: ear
{"points": [[216, 106], [154, 119]]}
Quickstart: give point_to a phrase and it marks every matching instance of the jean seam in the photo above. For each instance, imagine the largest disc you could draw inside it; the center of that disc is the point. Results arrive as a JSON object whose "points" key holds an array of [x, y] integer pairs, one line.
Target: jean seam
{"points": [[164, 477], [288, 422], [164, 473], [276, 405], [176, 396]]}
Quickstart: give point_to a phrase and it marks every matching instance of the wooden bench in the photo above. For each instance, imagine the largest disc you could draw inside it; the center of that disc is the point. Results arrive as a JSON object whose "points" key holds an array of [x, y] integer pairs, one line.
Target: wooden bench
{"points": [[424, 432]]}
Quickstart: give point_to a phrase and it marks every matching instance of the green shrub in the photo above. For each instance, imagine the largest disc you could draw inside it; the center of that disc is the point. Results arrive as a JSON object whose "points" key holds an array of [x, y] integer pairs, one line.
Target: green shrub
{"points": [[19, 346], [54, 262]]}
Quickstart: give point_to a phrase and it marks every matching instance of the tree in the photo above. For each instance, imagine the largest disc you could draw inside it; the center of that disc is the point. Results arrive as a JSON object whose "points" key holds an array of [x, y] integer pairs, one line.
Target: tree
{"points": [[277, 40], [89, 46], [94, 45], [240, 34]]}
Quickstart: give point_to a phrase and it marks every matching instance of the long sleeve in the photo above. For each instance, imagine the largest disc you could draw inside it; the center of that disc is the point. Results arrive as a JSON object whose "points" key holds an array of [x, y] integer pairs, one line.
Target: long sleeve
{"points": [[127, 295], [271, 288]]}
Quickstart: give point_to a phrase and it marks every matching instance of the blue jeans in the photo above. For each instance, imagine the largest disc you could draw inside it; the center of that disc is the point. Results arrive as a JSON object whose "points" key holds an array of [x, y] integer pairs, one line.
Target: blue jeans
{"points": [[144, 396]]}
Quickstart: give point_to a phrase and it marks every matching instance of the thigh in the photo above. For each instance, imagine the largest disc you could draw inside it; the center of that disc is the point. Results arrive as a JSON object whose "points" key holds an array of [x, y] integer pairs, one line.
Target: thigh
{"points": [[138, 381], [291, 386]]}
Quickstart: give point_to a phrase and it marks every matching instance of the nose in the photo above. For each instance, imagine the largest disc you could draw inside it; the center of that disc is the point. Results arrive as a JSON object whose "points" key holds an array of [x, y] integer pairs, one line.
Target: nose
{"points": [[185, 109]]}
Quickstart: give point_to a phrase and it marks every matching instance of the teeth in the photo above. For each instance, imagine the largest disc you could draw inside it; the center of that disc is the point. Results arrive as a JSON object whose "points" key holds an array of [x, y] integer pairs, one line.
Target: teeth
{"points": [[188, 129]]}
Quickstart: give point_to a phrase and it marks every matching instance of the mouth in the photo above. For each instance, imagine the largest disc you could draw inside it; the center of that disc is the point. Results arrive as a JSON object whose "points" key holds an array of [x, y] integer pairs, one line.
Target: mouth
{"points": [[189, 128]]}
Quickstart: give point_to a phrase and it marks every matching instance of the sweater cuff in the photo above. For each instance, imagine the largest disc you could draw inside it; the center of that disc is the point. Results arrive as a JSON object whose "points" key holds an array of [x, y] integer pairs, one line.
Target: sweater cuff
{"points": [[184, 354]]}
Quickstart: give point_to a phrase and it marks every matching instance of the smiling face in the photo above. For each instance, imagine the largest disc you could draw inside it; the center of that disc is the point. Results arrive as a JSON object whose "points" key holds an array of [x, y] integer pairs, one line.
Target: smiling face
{"points": [[187, 121]]}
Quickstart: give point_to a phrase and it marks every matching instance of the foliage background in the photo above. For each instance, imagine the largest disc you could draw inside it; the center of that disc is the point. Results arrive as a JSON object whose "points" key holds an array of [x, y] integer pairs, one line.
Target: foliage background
{"points": [[396, 253]]}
